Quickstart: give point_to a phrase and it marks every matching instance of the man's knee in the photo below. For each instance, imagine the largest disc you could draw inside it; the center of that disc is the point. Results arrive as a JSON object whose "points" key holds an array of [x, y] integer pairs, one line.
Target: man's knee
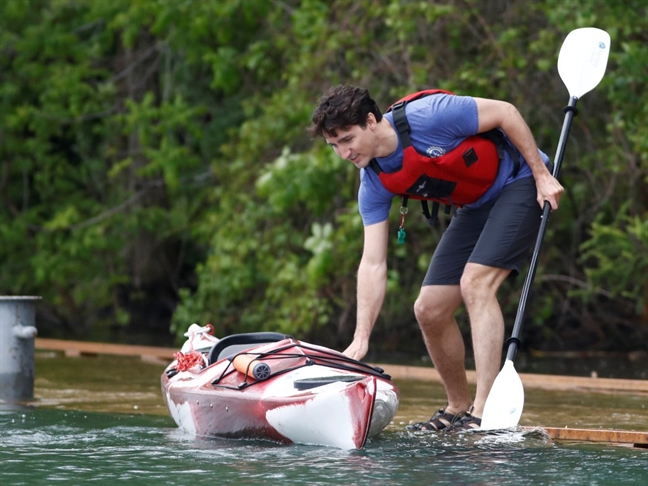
{"points": [[480, 282], [471, 288], [433, 305], [424, 310]]}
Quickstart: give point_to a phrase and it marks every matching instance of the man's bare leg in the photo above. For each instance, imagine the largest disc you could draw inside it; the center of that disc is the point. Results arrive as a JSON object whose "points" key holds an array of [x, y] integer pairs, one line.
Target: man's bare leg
{"points": [[434, 310], [479, 286]]}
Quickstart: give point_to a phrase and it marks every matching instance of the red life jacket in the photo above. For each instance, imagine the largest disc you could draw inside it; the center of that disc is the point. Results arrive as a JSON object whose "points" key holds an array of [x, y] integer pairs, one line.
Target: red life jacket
{"points": [[460, 176]]}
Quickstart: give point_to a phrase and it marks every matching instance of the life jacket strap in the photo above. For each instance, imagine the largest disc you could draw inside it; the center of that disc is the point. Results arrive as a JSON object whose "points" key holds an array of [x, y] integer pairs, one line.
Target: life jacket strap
{"points": [[375, 166], [402, 125], [433, 216], [497, 137]]}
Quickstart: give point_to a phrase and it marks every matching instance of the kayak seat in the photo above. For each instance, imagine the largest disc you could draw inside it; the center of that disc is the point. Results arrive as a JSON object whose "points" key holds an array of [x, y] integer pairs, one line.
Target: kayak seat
{"points": [[236, 343]]}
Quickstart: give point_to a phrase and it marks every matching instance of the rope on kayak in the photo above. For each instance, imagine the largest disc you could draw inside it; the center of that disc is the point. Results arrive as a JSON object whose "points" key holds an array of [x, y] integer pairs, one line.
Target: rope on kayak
{"points": [[354, 364], [325, 358]]}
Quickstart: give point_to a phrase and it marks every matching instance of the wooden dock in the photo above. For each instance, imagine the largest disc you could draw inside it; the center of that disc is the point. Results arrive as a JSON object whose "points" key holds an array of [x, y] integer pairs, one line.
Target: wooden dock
{"points": [[75, 349], [531, 380], [399, 372], [626, 437]]}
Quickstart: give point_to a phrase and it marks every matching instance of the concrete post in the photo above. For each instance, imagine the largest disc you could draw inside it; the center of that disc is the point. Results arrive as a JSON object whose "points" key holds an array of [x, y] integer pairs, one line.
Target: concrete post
{"points": [[17, 333]]}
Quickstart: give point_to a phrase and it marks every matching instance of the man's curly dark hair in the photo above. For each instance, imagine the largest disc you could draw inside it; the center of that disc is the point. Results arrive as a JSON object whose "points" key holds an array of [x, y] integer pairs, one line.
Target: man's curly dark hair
{"points": [[341, 107]]}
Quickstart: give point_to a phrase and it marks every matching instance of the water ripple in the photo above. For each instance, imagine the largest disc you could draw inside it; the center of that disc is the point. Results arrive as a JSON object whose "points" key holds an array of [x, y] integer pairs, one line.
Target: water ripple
{"points": [[45, 446]]}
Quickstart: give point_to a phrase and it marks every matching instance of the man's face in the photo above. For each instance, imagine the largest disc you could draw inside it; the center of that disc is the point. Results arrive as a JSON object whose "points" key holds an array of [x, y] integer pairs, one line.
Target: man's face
{"points": [[355, 144]]}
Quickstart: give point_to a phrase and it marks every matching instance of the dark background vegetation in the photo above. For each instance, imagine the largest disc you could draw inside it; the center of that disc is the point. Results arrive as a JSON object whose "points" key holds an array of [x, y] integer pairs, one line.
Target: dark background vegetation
{"points": [[155, 170]]}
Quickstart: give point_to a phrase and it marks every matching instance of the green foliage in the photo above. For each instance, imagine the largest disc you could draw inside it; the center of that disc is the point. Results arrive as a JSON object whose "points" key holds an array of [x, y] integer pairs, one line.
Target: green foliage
{"points": [[154, 165], [620, 253], [105, 163]]}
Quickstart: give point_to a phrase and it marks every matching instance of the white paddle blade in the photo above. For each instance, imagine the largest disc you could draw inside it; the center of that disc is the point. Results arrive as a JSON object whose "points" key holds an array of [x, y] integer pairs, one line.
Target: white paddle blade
{"points": [[583, 58], [505, 401]]}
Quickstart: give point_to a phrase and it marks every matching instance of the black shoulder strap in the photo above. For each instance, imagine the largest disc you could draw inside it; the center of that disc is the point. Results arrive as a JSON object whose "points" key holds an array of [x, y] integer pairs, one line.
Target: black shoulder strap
{"points": [[375, 166], [398, 108], [402, 126]]}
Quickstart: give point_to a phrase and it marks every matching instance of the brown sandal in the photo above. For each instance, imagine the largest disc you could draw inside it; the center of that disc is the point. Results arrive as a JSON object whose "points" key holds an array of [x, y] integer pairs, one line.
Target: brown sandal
{"points": [[441, 420]]}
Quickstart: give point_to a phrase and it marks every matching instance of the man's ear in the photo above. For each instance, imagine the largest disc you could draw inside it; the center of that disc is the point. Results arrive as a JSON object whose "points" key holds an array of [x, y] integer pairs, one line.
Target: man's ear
{"points": [[371, 121]]}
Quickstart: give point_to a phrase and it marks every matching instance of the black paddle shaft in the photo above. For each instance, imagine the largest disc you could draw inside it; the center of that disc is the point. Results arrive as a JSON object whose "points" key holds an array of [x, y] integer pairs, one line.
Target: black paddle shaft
{"points": [[514, 340]]}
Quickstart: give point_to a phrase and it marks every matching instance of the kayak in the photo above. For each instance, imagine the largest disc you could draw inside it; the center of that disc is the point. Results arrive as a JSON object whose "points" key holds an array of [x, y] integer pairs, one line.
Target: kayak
{"points": [[268, 385]]}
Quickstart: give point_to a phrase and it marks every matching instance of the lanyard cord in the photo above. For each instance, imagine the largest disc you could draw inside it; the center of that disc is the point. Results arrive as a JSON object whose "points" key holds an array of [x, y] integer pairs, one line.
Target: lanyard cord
{"points": [[401, 227]]}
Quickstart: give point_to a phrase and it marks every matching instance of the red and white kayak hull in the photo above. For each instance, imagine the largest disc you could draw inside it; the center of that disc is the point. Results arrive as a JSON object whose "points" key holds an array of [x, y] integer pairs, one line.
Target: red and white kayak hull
{"points": [[314, 396]]}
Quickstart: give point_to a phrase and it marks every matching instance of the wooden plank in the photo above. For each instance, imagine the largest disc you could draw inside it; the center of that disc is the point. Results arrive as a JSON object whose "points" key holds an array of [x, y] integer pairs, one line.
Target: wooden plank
{"points": [[398, 372], [77, 348], [587, 383], [552, 382], [637, 438]]}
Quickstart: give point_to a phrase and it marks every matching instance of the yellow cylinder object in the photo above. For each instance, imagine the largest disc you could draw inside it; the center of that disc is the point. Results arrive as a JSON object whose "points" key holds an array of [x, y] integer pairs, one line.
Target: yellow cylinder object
{"points": [[250, 365]]}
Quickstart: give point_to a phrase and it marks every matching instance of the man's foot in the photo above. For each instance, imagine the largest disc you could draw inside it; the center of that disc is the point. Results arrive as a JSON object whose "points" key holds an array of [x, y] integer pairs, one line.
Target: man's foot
{"points": [[465, 421], [441, 420]]}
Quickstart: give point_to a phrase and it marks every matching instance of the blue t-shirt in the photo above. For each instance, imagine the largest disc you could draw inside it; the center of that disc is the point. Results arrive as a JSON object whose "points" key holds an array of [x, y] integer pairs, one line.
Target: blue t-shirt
{"points": [[438, 124]]}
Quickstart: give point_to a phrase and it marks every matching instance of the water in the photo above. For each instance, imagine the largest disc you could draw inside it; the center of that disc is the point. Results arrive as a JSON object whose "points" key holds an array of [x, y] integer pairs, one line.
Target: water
{"points": [[48, 446], [108, 424]]}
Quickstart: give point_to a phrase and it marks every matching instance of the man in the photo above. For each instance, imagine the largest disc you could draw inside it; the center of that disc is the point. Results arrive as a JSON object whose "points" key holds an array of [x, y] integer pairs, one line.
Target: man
{"points": [[486, 240]]}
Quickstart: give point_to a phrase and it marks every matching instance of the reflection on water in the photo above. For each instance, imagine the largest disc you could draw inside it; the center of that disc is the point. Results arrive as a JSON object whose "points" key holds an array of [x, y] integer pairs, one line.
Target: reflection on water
{"points": [[101, 420]]}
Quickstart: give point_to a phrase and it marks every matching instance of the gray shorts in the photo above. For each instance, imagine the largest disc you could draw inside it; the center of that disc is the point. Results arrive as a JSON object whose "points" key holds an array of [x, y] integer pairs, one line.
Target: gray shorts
{"points": [[497, 234]]}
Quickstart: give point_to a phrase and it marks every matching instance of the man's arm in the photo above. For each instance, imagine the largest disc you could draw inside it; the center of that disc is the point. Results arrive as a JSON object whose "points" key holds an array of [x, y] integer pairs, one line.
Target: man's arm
{"points": [[372, 282], [500, 114]]}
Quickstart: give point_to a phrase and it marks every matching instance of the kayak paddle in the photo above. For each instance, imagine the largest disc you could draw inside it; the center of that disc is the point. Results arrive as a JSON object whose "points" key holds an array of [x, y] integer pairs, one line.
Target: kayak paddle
{"points": [[581, 64]]}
